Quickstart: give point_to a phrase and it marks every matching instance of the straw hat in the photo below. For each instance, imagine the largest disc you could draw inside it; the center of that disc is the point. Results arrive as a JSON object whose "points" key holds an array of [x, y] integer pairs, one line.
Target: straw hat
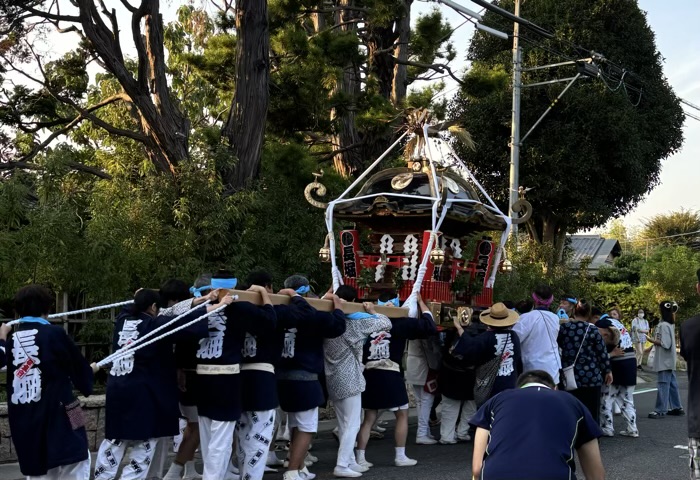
{"points": [[499, 316]]}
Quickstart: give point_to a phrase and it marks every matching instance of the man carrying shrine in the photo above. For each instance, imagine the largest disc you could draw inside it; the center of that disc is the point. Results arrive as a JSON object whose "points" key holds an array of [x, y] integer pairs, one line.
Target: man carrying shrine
{"points": [[43, 367], [262, 351], [142, 394], [386, 388], [219, 385], [344, 379], [300, 391]]}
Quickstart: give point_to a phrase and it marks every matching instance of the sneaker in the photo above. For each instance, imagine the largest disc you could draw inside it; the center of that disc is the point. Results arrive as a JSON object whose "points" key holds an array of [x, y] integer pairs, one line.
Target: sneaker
{"points": [[306, 475], [425, 441], [344, 472], [311, 458], [608, 433], [366, 464], [376, 435], [627, 433], [191, 476], [405, 462], [292, 475], [307, 463], [172, 475], [676, 412], [379, 429], [447, 442], [468, 438], [273, 460], [656, 415], [270, 469], [356, 467]]}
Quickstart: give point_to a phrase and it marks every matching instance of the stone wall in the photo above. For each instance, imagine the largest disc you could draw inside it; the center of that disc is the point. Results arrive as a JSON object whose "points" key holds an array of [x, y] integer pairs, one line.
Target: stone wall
{"points": [[94, 408]]}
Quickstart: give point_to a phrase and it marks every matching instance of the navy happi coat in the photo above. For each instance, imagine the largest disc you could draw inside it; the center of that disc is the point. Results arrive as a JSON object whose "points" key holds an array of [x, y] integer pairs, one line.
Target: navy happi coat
{"points": [[386, 388], [41, 431], [259, 388], [219, 396], [142, 391], [302, 359]]}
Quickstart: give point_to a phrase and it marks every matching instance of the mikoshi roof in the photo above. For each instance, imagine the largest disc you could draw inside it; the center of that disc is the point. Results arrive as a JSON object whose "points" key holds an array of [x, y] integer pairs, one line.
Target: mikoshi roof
{"points": [[391, 214]]}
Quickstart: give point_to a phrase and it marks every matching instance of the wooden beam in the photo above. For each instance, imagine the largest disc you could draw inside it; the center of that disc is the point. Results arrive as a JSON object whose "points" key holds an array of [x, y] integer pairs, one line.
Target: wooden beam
{"points": [[317, 303]]}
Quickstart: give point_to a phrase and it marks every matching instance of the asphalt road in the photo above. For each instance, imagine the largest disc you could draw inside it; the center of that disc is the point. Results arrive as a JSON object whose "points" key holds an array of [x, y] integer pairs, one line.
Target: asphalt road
{"points": [[652, 456], [659, 453]]}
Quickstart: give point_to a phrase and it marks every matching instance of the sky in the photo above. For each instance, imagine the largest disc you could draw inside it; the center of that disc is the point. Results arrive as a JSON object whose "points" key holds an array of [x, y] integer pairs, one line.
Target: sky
{"points": [[675, 24]]}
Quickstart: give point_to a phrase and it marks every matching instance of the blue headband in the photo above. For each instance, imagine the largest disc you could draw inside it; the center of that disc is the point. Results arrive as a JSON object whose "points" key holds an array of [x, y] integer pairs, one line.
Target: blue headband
{"points": [[228, 283], [393, 301], [197, 292], [571, 300], [303, 290]]}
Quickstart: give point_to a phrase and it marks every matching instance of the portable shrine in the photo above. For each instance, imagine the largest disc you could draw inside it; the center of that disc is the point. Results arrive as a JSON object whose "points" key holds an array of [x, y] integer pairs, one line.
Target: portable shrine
{"points": [[420, 228]]}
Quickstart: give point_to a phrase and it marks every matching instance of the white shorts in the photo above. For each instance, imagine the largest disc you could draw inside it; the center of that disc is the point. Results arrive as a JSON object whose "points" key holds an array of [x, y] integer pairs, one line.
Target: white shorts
{"points": [[306, 421], [396, 409], [190, 413]]}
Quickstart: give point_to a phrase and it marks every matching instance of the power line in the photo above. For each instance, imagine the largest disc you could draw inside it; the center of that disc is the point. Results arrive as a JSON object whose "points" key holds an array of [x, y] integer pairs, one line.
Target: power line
{"points": [[661, 238], [691, 105], [687, 114]]}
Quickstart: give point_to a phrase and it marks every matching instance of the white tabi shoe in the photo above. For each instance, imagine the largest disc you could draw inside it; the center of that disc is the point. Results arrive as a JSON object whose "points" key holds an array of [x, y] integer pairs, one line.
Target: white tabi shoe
{"points": [[273, 460], [306, 475], [358, 468], [270, 469], [425, 441], [292, 475], [405, 462], [345, 472], [365, 463], [311, 458]]}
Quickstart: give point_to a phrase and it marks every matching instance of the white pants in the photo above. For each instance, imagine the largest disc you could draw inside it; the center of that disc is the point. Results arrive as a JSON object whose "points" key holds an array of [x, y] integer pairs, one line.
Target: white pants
{"points": [[424, 403], [74, 471], [622, 396], [255, 435], [451, 415], [639, 352], [349, 415], [112, 452], [216, 444]]}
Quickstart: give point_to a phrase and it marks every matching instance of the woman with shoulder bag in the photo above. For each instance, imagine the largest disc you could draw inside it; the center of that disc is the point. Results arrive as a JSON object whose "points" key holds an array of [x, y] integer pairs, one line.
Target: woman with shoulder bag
{"points": [[584, 358]]}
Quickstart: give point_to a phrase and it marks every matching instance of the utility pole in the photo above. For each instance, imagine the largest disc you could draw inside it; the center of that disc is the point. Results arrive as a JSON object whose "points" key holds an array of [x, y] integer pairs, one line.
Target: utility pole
{"points": [[515, 121]]}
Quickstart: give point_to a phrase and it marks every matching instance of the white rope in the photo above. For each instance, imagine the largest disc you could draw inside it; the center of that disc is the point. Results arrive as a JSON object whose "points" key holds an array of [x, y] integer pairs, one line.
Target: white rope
{"points": [[91, 309], [131, 345], [153, 340], [335, 272]]}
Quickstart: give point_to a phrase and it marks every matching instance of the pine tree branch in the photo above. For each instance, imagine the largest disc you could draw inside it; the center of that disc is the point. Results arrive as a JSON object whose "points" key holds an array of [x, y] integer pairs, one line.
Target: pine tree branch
{"points": [[438, 67], [81, 167]]}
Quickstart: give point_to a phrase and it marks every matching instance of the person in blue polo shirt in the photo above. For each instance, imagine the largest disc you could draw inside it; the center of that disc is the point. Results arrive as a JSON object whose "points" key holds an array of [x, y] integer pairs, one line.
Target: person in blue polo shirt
{"points": [[531, 432]]}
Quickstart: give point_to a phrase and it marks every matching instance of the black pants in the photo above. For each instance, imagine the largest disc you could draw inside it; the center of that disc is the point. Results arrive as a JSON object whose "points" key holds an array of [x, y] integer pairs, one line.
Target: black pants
{"points": [[590, 397]]}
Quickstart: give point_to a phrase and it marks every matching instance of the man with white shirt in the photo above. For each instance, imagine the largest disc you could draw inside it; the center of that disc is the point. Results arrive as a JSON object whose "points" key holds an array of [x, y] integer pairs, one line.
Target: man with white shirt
{"points": [[538, 332]]}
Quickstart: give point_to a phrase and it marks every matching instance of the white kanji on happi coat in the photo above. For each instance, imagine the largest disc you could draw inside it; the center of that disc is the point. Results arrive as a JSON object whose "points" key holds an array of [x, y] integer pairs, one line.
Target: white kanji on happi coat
{"points": [[290, 337], [379, 346], [125, 365], [212, 346], [26, 384]]}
